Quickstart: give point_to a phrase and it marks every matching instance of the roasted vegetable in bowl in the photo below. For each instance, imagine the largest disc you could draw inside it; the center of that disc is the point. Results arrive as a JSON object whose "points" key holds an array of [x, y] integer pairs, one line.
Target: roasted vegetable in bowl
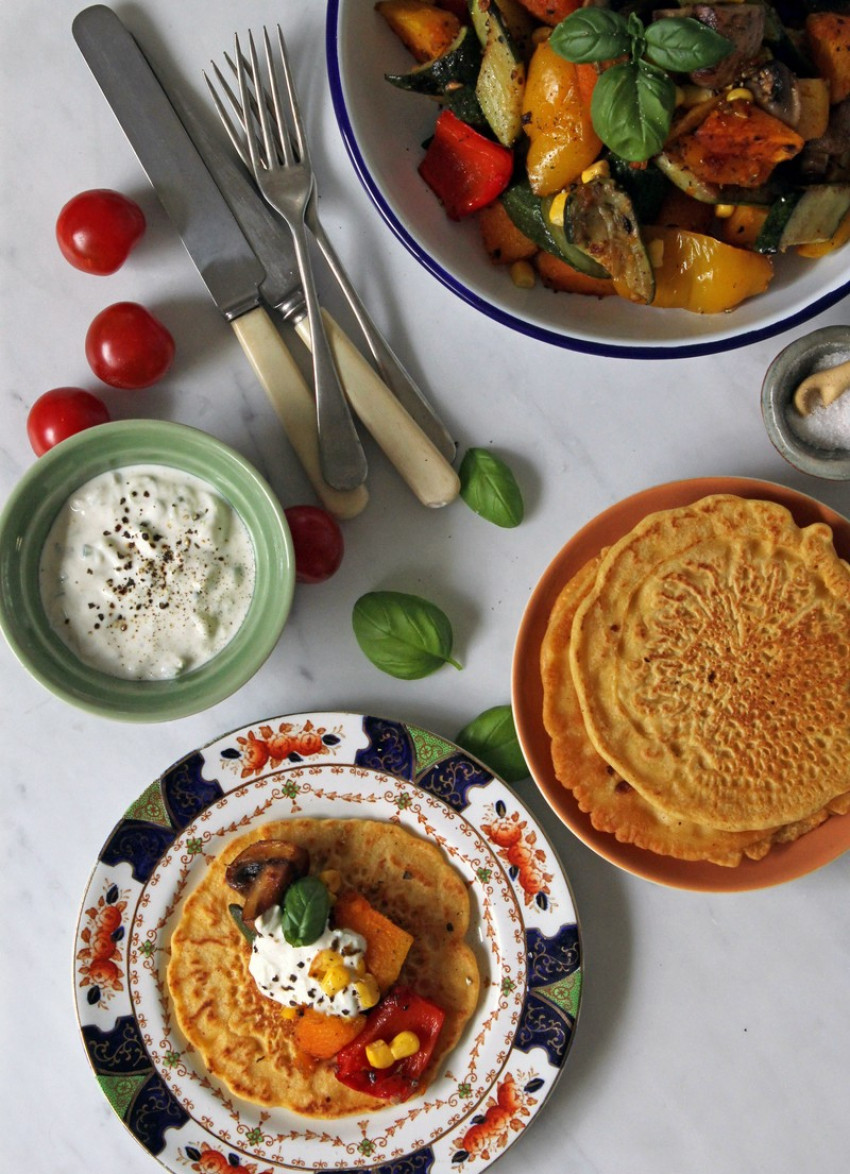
{"points": [[665, 154]]}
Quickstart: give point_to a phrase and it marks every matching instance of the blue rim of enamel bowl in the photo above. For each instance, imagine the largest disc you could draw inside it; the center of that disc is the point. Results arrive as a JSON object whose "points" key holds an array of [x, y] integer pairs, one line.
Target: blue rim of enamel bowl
{"points": [[530, 330]]}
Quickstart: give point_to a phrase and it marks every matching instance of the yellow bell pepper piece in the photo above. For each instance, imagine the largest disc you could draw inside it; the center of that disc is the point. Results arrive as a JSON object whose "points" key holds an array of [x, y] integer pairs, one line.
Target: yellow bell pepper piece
{"points": [[556, 118], [704, 275]]}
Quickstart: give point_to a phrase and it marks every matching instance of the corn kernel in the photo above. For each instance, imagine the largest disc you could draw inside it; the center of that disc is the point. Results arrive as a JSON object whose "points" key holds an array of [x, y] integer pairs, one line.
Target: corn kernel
{"points": [[406, 1043], [597, 170], [523, 275], [331, 878], [556, 209], [322, 963], [334, 980], [724, 211], [739, 94], [655, 252], [367, 991], [379, 1055], [289, 1012], [359, 966]]}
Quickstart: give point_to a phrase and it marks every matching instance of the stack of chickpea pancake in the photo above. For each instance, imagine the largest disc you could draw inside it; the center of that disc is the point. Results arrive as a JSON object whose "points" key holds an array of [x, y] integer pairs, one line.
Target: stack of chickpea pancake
{"points": [[242, 1036], [696, 681]]}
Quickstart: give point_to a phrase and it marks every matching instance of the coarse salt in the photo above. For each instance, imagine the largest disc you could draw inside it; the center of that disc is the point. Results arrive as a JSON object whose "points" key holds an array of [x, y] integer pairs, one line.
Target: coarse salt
{"points": [[826, 426]]}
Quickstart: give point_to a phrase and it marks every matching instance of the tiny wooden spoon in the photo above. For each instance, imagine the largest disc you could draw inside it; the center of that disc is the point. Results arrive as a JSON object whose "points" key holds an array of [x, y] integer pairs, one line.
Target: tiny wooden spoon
{"points": [[822, 388]]}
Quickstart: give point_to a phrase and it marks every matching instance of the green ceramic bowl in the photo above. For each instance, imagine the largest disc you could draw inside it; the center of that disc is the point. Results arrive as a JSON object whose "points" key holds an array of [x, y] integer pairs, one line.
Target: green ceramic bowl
{"points": [[26, 520]]}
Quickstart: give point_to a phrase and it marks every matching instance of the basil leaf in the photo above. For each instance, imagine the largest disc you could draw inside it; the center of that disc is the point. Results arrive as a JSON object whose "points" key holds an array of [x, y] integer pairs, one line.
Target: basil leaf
{"points": [[591, 34], [403, 635], [681, 44], [631, 109], [492, 737], [489, 487], [306, 906]]}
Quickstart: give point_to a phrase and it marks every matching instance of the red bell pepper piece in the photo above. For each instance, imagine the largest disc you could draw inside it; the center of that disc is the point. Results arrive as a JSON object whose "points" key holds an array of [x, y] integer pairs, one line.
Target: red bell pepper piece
{"points": [[465, 170], [400, 1010]]}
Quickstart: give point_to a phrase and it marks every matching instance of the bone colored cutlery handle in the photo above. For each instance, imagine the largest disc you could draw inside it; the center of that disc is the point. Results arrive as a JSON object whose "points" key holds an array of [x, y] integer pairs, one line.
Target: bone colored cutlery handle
{"points": [[290, 396], [421, 465]]}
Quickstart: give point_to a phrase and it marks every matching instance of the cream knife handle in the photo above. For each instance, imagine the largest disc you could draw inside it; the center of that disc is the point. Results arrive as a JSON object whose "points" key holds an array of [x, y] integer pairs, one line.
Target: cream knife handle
{"points": [[290, 397], [422, 466]]}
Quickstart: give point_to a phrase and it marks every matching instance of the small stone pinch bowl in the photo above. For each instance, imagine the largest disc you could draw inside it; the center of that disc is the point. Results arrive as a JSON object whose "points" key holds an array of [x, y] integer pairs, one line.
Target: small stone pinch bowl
{"points": [[813, 352], [26, 520]]}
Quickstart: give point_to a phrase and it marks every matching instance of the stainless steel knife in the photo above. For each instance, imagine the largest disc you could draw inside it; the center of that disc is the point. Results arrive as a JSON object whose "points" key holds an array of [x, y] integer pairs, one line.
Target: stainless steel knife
{"points": [[210, 232]]}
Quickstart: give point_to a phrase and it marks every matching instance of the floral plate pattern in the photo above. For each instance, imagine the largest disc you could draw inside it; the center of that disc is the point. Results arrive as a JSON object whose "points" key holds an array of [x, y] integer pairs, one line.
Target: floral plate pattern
{"points": [[524, 930]]}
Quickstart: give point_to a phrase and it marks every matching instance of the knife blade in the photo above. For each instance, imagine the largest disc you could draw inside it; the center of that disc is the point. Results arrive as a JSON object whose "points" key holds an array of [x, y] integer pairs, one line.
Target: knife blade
{"points": [[212, 236], [415, 442]]}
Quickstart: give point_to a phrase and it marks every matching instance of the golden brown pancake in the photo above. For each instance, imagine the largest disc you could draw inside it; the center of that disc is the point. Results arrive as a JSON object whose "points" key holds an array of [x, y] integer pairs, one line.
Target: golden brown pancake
{"points": [[613, 804], [241, 1035], [712, 664]]}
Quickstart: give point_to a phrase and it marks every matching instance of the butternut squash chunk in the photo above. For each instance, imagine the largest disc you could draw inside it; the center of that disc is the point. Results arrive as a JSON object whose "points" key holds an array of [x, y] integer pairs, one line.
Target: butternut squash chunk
{"points": [[424, 29], [737, 143], [322, 1036], [744, 225], [502, 240], [828, 35], [558, 275], [386, 943], [551, 12]]}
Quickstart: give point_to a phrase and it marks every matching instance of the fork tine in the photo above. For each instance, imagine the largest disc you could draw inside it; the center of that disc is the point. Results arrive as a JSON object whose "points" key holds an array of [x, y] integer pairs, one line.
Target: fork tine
{"points": [[294, 112], [262, 111], [237, 137], [242, 79], [277, 104]]}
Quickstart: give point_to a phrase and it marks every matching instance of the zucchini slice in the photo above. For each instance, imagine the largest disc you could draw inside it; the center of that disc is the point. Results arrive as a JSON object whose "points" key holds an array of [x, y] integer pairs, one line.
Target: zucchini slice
{"points": [[501, 79], [527, 212], [458, 66], [712, 193], [804, 217], [600, 219]]}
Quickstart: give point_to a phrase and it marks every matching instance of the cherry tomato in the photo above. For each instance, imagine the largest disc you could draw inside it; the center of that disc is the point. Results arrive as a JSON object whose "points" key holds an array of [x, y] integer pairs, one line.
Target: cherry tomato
{"points": [[97, 229], [60, 413], [318, 543], [127, 347]]}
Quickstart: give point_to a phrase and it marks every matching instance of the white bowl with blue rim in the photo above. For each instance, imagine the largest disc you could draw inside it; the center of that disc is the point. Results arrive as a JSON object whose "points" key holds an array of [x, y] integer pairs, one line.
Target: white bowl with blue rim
{"points": [[384, 128]]}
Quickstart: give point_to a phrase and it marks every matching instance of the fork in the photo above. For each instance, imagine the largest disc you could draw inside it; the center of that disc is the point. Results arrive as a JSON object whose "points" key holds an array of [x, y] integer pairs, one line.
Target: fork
{"points": [[391, 369], [285, 180]]}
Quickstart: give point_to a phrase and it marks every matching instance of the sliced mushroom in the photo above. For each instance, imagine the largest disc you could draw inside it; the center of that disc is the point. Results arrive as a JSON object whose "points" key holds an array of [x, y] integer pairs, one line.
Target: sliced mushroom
{"points": [[742, 24], [774, 88], [263, 872]]}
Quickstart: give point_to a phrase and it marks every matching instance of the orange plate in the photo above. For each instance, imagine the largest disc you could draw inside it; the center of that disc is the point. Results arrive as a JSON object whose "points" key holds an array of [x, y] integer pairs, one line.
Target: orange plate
{"points": [[783, 863]]}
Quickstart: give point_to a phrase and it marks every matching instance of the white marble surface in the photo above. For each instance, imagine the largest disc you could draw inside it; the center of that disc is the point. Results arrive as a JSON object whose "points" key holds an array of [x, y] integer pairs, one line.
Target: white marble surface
{"points": [[713, 1033]]}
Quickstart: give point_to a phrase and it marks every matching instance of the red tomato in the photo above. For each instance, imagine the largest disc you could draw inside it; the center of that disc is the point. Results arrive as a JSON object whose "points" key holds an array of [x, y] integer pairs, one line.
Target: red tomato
{"points": [[318, 542], [60, 413], [127, 347], [97, 229]]}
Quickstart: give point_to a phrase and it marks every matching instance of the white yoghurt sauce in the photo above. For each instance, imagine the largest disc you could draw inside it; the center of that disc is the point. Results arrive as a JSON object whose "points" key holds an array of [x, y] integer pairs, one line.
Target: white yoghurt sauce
{"points": [[147, 572], [282, 972]]}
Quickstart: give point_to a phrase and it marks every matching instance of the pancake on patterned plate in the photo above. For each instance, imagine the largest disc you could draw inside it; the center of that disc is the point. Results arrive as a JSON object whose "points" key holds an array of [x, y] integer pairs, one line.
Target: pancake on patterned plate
{"points": [[711, 659], [614, 806], [245, 1038]]}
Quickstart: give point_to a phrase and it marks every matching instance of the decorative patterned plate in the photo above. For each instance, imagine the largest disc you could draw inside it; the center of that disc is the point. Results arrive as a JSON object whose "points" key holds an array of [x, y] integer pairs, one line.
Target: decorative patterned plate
{"points": [[781, 864], [524, 926]]}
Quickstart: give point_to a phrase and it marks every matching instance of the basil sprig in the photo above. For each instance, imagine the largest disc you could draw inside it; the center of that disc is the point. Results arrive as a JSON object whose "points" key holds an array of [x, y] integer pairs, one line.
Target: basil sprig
{"points": [[633, 101], [304, 915], [488, 487], [492, 738], [403, 635]]}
